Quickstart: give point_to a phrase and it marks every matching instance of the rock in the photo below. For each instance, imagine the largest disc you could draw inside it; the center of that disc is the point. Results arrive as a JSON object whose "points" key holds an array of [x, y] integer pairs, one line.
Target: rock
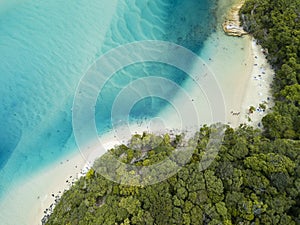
{"points": [[232, 26]]}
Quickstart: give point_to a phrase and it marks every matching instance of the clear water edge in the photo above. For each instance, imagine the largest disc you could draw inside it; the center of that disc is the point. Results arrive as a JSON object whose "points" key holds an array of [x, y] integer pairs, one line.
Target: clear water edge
{"points": [[26, 72]]}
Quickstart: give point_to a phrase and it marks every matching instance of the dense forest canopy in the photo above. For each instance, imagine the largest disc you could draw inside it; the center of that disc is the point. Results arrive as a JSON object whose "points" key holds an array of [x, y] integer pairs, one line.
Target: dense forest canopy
{"points": [[254, 179]]}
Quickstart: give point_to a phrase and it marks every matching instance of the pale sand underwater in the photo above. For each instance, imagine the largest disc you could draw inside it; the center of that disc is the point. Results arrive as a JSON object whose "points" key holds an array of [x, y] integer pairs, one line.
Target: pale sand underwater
{"points": [[240, 90]]}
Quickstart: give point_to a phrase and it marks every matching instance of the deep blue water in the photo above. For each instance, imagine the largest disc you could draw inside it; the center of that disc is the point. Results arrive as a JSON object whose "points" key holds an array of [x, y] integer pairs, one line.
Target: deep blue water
{"points": [[47, 46]]}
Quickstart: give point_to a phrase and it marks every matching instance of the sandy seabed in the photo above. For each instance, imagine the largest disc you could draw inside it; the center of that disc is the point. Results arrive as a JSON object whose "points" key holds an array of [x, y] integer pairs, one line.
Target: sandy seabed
{"points": [[32, 197]]}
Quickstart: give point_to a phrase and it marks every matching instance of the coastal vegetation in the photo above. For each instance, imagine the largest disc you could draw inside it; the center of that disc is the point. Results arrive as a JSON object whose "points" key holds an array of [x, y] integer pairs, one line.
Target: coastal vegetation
{"points": [[255, 177], [252, 179]]}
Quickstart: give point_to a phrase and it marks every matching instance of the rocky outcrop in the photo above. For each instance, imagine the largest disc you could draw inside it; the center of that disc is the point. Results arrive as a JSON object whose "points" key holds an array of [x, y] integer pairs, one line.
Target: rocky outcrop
{"points": [[232, 26]]}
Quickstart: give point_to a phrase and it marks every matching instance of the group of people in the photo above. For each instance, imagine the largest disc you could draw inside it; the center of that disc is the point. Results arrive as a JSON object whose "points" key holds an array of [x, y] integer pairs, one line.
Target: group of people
{"points": [[235, 113]]}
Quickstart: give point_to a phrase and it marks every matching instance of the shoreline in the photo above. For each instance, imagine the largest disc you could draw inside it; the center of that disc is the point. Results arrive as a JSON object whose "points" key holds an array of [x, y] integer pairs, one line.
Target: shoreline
{"points": [[256, 91], [42, 189], [45, 188]]}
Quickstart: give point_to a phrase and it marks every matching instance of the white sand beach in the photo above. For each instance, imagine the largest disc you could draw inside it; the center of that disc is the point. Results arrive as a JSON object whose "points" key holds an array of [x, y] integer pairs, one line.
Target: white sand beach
{"points": [[257, 89], [252, 86]]}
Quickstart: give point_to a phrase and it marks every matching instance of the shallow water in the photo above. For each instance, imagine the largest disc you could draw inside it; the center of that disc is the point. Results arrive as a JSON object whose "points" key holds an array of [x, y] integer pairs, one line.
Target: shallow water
{"points": [[47, 46]]}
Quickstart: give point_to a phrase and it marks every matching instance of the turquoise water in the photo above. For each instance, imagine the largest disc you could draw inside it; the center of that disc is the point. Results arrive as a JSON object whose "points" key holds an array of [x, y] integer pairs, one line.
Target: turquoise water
{"points": [[47, 46]]}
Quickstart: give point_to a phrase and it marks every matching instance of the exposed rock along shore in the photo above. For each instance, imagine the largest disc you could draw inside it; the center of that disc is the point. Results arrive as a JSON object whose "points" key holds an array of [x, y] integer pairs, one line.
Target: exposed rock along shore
{"points": [[232, 26]]}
